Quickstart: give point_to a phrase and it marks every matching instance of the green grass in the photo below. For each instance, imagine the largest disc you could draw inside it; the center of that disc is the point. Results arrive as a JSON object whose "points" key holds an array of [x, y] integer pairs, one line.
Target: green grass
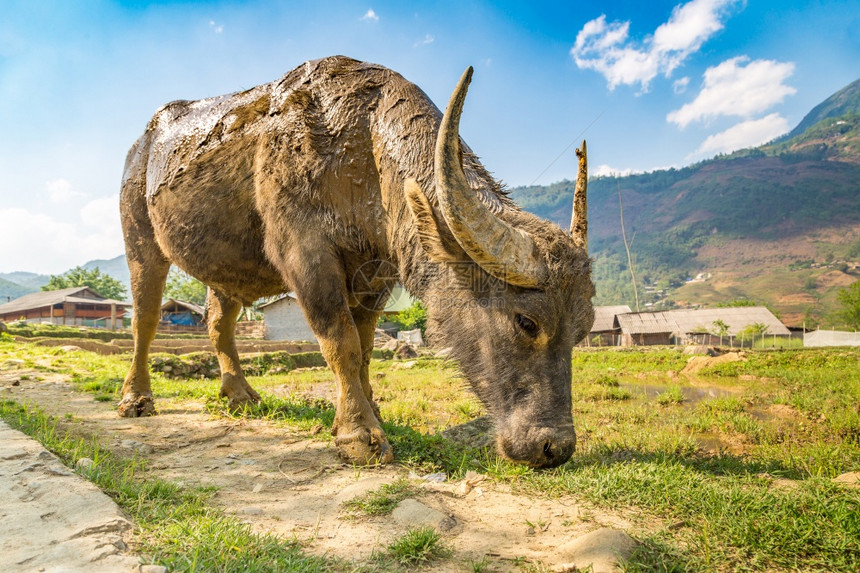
{"points": [[672, 395], [417, 546], [700, 452], [380, 501], [176, 527]]}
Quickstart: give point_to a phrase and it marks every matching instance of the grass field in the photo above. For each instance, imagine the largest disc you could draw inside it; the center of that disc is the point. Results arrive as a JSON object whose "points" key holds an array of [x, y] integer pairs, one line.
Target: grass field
{"points": [[727, 469]]}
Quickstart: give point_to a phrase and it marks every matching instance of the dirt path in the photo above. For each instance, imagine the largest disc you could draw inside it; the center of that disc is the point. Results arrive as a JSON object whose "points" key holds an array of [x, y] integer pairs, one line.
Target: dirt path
{"points": [[290, 485]]}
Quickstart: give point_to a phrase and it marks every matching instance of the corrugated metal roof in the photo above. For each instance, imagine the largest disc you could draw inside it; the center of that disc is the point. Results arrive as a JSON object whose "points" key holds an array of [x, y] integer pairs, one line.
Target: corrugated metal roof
{"points": [[52, 297], [184, 304], [685, 321], [398, 300], [604, 317]]}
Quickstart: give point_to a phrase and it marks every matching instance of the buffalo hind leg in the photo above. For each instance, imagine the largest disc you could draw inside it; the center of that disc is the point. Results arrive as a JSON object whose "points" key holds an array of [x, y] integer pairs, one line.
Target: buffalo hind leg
{"points": [[223, 312], [365, 317], [148, 268]]}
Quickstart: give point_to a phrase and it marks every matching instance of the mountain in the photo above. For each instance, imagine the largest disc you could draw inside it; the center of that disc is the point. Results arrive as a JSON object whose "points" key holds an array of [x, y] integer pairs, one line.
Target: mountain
{"points": [[778, 224], [31, 281], [10, 290], [844, 102], [115, 267]]}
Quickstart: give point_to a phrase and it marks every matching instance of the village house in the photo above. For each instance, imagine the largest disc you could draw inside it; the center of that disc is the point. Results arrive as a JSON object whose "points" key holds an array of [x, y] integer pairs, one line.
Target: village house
{"points": [[75, 306], [284, 319], [181, 313], [605, 331], [695, 326]]}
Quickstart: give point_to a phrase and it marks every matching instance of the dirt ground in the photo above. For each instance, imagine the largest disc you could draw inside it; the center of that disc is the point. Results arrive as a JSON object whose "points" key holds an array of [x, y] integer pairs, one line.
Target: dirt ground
{"points": [[293, 486]]}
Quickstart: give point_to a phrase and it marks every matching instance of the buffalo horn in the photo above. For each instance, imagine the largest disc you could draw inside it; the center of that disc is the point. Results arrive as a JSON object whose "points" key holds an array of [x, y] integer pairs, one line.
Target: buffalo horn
{"points": [[579, 219], [502, 250]]}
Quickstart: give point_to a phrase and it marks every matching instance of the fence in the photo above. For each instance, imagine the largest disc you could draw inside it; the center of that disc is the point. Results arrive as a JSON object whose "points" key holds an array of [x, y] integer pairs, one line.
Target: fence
{"points": [[244, 329], [831, 338], [795, 340]]}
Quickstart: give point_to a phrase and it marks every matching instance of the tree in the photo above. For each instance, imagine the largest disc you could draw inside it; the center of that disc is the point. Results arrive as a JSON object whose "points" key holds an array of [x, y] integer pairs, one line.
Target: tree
{"points": [[849, 298], [105, 285], [721, 329], [413, 317], [181, 286], [753, 331]]}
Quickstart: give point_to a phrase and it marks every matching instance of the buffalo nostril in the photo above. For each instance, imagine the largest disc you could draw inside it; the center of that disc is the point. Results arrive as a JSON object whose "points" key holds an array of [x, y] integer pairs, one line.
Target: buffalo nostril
{"points": [[547, 450]]}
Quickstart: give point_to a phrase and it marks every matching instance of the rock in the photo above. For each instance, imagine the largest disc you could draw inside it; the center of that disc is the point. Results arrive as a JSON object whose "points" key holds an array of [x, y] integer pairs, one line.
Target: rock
{"points": [[445, 352], [477, 433], [406, 350], [470, 481], [405, 365], [84, 464], [850, 479], [251, 511], [137, 446], [258, 487], [601, 550], [390, 345], [13, 364], [696, 349], [412, 513], [153, 569], [3, 327], [70, 348], [361, 487], [52, 518]]}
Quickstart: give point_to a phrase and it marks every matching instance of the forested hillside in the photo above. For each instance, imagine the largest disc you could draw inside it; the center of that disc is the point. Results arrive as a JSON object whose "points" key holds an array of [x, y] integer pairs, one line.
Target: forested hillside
{"points": [[779, 224]]}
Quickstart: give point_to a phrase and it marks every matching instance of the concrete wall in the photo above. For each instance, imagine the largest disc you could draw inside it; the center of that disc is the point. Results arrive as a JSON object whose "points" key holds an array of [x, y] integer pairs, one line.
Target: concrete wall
{"points": [[285, 321]]}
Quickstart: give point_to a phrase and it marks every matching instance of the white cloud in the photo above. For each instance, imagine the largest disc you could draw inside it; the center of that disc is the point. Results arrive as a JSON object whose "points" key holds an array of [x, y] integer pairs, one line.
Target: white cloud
{"points": [[39, 243], [606, 48], [428, 39], [61, 191], [370, 16], [745, 134], [217, 28], [735, 89], [679, 86], [607, 171]]}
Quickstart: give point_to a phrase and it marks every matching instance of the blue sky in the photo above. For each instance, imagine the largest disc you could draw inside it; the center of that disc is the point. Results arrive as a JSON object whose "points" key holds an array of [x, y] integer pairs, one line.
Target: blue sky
{"points": [[650, 85]]}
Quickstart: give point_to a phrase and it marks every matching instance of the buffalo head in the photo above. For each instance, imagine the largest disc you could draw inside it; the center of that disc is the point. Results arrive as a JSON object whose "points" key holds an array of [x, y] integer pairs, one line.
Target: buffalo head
{"points": [[510, 294]]}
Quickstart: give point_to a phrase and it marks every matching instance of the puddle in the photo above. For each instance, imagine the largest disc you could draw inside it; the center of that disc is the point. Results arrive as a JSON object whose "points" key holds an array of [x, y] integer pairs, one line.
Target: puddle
{"points": [[692, 394]]}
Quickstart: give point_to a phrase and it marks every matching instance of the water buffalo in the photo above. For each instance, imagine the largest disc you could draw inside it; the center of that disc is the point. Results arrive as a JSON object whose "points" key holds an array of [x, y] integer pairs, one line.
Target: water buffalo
{"points": [[334, 182]]}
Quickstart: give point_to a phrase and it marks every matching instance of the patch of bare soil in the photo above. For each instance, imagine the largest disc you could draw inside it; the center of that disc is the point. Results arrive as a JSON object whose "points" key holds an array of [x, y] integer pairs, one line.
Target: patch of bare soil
{"points": [[835, 279], [697, 363], [294, 486]]}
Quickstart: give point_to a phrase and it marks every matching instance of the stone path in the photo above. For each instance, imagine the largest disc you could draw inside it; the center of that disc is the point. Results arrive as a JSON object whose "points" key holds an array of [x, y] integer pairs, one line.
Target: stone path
{"points": [[53, 520]]}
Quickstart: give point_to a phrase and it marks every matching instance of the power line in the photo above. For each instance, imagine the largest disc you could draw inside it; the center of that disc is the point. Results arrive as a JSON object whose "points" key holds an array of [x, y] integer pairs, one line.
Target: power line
{"points": [[566, 149]]}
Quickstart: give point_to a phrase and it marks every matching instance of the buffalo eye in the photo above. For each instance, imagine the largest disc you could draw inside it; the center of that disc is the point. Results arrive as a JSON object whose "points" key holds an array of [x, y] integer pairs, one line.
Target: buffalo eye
{"points": [[527, 325]]}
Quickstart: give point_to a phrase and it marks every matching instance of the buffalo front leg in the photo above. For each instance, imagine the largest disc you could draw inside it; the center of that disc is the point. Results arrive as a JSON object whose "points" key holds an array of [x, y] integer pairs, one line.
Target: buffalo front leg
{"points": [[320, 287], [222, 314]]}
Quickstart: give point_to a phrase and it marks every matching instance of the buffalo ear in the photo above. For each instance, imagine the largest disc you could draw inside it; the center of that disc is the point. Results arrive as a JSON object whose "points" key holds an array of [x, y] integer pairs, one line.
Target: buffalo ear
{"points": [[437, 241]]}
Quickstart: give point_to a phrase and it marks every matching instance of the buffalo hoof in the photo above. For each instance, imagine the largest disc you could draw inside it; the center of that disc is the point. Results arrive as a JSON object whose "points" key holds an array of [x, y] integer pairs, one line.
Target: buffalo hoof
{"points": [[134, 405], [238, 392], [364, 447], [237, 403]]}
